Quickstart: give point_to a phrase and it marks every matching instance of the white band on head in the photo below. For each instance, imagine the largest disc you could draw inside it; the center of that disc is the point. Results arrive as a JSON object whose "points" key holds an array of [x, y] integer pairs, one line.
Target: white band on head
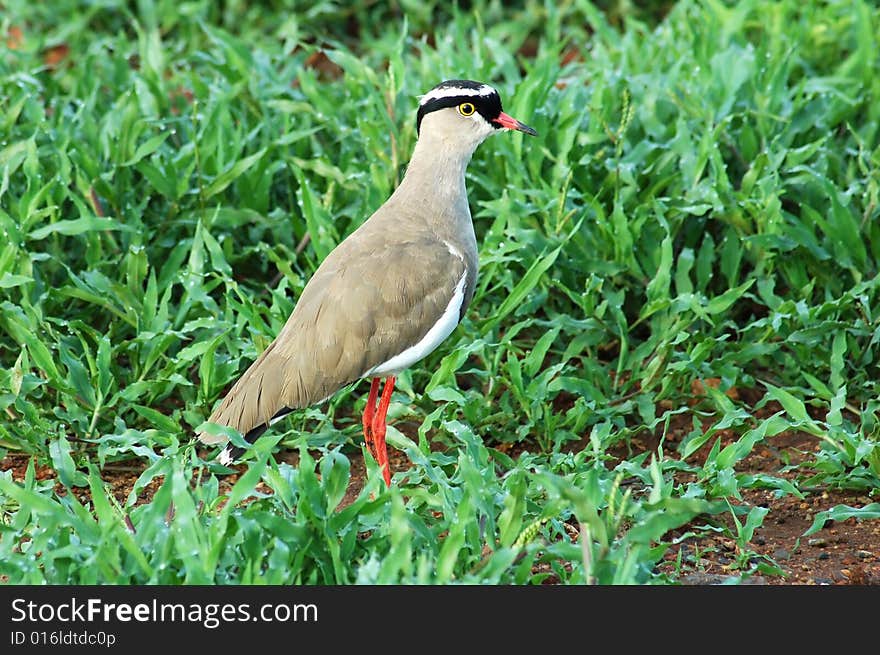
{"points": [[452, 91]]}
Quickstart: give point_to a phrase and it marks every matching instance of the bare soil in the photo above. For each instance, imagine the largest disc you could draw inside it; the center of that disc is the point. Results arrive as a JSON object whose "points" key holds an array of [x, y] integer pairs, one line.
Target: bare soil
{"points": [[841, 553]]}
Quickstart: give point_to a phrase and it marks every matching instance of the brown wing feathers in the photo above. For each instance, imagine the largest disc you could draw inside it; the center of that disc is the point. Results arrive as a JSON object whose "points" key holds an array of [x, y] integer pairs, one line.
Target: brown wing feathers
{"points": [[355, 313]]}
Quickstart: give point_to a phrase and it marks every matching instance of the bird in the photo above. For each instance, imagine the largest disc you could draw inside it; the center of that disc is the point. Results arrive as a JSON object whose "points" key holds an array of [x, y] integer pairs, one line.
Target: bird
{"points": [[388, 294]]}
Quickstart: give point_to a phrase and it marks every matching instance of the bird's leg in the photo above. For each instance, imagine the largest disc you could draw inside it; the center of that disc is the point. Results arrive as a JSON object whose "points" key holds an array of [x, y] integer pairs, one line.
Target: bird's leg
{"points": [[369, 413], [378, 429]]}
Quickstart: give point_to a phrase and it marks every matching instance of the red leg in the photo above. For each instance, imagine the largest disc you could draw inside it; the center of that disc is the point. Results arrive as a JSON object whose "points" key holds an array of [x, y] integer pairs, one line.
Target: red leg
{"points": [[378, 429], [369, 413]]}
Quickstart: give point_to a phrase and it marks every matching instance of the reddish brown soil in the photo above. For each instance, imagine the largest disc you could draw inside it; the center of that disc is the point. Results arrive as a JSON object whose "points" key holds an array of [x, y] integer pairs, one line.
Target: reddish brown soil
{"points": [[841, 553]]}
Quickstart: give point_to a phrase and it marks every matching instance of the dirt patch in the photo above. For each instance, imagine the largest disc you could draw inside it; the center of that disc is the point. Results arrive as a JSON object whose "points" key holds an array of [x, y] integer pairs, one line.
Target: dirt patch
{"points": [[841, 553]]}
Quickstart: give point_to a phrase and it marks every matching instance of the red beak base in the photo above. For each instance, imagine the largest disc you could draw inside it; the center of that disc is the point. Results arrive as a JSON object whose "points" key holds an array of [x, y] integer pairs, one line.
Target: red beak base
{"points": [[509, 122]]}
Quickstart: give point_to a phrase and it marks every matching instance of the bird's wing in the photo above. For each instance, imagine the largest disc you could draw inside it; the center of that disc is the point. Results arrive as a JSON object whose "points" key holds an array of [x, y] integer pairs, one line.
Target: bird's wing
{"points": [[354, 314]]}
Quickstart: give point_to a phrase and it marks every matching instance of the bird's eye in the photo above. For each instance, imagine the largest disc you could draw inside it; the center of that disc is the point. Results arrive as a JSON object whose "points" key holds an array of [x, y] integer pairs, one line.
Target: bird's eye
{"points": [[466, 109]]}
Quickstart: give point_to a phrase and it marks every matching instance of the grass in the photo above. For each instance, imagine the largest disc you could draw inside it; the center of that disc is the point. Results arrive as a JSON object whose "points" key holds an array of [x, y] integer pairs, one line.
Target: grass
{"points": [[701, 208]]}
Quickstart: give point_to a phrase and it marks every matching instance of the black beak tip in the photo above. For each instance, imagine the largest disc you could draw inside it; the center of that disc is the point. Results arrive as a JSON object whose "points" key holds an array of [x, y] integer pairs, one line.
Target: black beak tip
{"points": [[510, 123]]}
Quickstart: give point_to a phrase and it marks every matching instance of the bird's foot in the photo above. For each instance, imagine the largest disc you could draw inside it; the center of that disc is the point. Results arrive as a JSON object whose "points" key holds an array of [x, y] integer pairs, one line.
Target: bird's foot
{"points": [[378, 428], [381, 455], [368, 417], [374, 424]]}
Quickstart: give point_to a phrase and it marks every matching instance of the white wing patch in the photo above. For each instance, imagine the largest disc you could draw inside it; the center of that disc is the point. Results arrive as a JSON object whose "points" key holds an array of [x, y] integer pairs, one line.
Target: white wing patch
{"points": [[435, 336]]}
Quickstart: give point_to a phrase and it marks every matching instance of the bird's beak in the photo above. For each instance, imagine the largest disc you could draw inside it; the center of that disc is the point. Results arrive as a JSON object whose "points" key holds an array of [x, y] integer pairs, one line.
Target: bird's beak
{"points": [[512, 124]]}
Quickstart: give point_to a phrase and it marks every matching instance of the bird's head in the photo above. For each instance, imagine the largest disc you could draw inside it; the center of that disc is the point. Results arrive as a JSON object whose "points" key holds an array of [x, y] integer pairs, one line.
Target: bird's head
{"points": [[465, 111]]}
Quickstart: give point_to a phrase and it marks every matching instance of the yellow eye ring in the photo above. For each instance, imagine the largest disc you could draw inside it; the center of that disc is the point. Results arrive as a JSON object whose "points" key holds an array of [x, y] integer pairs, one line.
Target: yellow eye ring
{"points": [[466, 109]]}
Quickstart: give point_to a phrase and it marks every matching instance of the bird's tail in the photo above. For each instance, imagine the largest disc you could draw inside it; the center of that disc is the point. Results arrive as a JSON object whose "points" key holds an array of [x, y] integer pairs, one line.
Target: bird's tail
{"points": [[247, 407], [259, 398], [231, 452]]}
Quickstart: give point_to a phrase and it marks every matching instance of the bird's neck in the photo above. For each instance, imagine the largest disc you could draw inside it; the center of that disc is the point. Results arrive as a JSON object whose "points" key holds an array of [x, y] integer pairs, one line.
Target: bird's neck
{"points": [[435, 177]]}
